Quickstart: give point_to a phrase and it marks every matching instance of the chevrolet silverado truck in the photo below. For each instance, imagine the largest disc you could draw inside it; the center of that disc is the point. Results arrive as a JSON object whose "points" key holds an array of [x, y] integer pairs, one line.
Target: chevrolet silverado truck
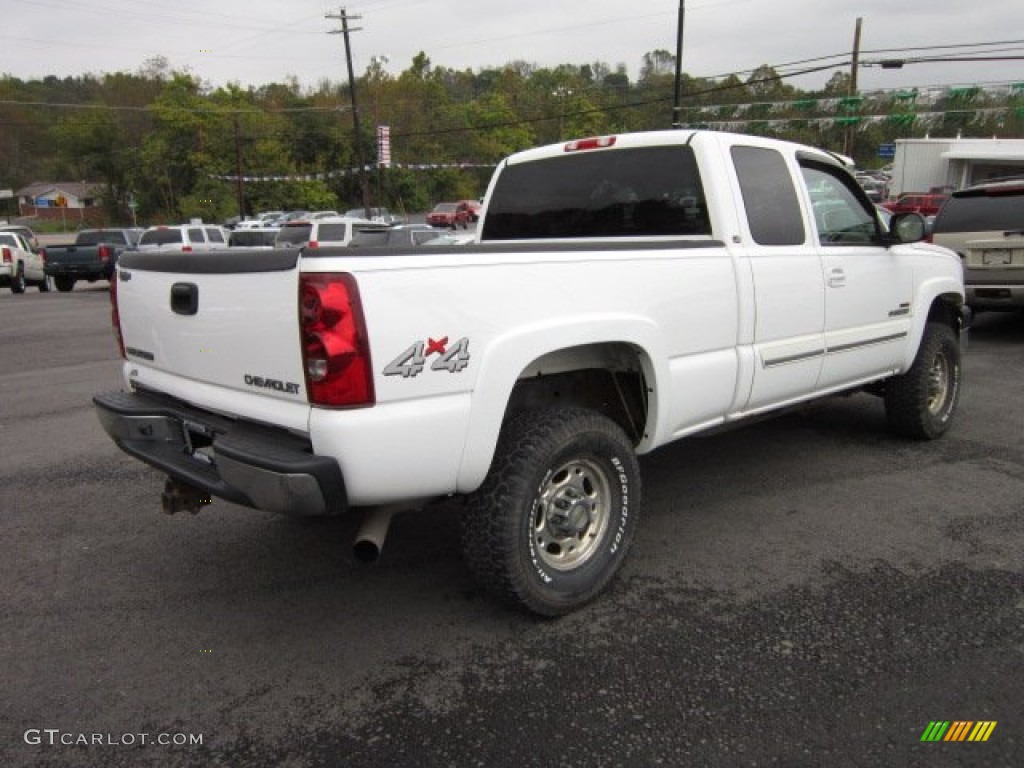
{"points": [[21, 264], [92, 256], [624, 292]]}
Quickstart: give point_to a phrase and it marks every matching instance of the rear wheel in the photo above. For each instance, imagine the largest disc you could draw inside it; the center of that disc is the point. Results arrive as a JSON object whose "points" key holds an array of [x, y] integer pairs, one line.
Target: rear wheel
{"points": [[920, 404], [44, 284], [554, 519], [64, 283], [18, 280]]}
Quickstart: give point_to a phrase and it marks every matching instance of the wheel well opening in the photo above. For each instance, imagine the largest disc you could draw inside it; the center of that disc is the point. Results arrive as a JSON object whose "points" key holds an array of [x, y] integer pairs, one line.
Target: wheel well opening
{"points": [[607, 378], [946, 310]]}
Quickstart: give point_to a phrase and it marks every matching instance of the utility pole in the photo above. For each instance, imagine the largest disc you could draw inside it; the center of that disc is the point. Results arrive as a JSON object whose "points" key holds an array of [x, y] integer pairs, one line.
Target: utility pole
{"points": [[677, 106], [854, 65], [238, 173], [356, 139]]}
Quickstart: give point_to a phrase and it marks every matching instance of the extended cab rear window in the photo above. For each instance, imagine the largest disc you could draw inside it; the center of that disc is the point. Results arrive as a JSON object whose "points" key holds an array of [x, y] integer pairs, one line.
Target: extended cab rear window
{"points": [[644, 191], [769, 197]]}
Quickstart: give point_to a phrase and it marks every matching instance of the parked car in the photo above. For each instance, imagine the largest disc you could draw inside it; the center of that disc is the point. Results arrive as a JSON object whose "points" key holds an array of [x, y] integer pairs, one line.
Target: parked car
{"points": [[400, 235], [24, 231], [472, 208], [453, 238], [253, 237], [379, 215], [449, 215], [93, 256], [21, 265], [251, 224], [588, 329], [916, 202], [183, 237], [985, 225], [321, 232]]}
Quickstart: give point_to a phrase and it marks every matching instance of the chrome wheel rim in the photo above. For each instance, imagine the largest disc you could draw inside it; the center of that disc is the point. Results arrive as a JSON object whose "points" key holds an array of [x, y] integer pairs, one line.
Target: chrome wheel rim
{"points": [[571, 514], [938, 384]]}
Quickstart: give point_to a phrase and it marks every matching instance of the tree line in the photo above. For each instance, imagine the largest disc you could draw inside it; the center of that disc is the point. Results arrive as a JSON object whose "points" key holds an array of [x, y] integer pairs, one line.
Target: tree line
{"points": [[174, 148]]}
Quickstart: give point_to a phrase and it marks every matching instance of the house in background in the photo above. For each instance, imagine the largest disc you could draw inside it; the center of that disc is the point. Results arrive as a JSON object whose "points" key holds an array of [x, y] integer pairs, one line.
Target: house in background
{"points": [[61, 201]]}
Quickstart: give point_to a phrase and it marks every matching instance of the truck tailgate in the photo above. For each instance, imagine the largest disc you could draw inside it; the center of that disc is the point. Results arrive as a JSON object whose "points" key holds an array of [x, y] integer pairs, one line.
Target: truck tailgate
{"points": [[71, 255], [217, 328]]}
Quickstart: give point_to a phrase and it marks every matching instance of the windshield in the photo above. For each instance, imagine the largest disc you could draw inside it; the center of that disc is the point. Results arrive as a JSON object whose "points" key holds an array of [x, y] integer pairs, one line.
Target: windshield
{"points": [[94, 237], [294, 234]]}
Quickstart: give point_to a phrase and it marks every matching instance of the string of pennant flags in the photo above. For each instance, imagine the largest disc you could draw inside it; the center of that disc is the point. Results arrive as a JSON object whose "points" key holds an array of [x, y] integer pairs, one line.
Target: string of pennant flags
{"points": [[859, 113], [926, 120], [875, 101], [339, 173]]}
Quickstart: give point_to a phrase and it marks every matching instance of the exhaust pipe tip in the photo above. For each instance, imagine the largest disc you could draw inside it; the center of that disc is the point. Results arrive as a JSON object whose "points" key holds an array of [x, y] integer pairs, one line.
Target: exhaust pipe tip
{"points": [[366, 551], [370, 538]]}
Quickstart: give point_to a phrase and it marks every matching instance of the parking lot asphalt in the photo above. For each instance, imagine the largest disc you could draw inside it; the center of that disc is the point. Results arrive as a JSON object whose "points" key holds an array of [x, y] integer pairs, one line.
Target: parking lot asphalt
{"points": [[804, 591]]}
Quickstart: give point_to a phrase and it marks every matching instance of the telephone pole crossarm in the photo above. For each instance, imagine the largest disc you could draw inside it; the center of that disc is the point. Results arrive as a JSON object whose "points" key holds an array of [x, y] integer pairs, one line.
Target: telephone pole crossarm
{"points": [[344, 18]]}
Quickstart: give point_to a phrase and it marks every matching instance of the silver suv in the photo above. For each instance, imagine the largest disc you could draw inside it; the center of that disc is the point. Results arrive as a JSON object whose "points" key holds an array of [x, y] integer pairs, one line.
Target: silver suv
{"points": [[320, 233], [184, 238], [985, 225]]}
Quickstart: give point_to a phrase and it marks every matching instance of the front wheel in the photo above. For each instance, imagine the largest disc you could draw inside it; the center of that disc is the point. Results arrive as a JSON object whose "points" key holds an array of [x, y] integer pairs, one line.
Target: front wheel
{"points": [[556, 514], [920, 404]]}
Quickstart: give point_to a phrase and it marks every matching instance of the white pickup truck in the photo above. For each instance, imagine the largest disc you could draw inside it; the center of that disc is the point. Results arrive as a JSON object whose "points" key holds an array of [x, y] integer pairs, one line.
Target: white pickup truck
{"points": [[21, 264], [625, 291]]}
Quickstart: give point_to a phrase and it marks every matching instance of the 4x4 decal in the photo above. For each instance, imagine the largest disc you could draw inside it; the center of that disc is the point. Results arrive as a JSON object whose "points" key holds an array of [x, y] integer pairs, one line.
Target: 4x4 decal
{"points": [[453, 359]]}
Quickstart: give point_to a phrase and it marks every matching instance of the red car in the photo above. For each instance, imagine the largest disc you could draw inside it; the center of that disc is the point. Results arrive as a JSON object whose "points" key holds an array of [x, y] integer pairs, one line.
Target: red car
{"points": [[916, 202], [449, 215], [473, 206]]}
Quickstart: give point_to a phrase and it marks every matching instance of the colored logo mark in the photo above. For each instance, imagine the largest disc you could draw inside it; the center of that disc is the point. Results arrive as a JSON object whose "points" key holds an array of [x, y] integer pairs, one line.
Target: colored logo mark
{"points": [[958, 730]]}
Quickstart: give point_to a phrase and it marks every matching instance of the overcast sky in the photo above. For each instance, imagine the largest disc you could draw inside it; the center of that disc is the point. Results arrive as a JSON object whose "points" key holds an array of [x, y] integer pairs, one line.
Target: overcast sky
{"points": [[254, 42]]}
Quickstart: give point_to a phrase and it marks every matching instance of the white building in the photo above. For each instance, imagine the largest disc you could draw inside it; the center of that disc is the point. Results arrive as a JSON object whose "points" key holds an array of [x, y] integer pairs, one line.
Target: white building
{"points": [[944, 165]]}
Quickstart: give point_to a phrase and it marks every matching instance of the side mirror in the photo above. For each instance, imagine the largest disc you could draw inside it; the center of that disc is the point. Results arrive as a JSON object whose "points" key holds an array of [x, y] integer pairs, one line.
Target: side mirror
{"points": [[907, 227]]}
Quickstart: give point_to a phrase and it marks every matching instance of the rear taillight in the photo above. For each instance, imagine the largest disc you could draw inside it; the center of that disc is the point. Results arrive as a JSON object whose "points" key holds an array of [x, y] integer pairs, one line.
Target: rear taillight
{"points": [[186, 249], [115, 316], [313, 244], [335, 347], [42, 256], [104, 252], [8, 259]]}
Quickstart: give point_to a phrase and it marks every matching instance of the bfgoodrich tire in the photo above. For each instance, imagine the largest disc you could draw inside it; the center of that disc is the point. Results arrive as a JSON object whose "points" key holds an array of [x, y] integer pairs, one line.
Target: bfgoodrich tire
{"points": [[920, 404], [554, 519]]}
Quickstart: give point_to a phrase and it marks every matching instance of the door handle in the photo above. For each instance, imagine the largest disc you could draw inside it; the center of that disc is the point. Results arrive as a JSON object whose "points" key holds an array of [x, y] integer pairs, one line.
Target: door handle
{"points": [[836, 278]]}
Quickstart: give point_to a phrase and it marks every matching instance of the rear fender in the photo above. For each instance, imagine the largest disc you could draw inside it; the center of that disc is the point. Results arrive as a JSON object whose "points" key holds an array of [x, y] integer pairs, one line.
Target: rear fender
{"points": [[508, 357]]}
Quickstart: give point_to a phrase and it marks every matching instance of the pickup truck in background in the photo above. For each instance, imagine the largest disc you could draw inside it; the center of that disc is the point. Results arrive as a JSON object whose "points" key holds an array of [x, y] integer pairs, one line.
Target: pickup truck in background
{"points": [[624, 292], [92, 256], [21, 264]]}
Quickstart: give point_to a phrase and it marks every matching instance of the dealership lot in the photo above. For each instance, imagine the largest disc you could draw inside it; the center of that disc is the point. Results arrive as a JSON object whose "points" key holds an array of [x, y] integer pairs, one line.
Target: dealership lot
{"points": [[804, 590]]}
